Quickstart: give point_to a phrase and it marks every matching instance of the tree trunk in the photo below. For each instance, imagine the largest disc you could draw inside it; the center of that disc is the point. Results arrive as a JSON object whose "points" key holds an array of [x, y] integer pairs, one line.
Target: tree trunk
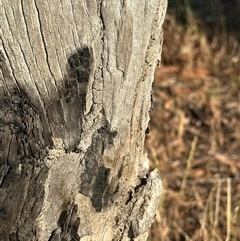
{"points": [[75, 96]]}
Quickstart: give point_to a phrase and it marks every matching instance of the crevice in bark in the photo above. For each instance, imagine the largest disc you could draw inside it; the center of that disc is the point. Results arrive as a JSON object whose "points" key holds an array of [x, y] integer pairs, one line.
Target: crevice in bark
{"points": [[101, 15], [102, 36], [25, 22], [8, 73], [43, 38]]}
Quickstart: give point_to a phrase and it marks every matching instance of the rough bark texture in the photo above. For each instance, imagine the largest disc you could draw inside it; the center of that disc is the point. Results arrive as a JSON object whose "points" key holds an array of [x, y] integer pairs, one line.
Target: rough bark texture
{"points": [[75, 96]]}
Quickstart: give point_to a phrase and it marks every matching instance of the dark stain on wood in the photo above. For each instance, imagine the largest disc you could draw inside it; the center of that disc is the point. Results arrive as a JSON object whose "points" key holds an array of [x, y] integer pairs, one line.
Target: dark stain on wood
{"points": [[100, 184], [94, 180], [25, 137], [68, 222], [66, 113], [23, 146]]}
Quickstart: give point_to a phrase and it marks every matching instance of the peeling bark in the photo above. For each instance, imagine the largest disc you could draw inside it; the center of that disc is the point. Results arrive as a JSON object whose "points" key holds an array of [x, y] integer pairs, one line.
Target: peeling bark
{"points": [[75, 96]]}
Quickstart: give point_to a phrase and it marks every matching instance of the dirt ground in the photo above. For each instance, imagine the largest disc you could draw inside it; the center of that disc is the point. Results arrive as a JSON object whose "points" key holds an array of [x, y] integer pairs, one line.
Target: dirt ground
{"points": [[194, 138]]}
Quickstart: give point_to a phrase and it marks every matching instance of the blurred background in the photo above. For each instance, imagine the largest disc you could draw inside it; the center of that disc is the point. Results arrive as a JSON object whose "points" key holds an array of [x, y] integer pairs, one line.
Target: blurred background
{"points": [[194, 138]]}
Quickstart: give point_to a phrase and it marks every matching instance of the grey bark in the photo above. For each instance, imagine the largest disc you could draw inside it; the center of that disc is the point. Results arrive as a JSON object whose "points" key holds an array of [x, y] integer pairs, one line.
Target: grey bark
{"points": [[75, 96]]}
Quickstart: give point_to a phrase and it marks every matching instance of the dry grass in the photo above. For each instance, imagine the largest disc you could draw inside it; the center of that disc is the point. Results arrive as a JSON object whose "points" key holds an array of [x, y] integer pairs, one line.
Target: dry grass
{"points": [[195, 135]]}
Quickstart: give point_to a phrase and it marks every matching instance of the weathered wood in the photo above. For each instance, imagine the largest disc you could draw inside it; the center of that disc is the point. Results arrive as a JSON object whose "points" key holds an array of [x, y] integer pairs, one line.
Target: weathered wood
{"points": [[75, 96]]}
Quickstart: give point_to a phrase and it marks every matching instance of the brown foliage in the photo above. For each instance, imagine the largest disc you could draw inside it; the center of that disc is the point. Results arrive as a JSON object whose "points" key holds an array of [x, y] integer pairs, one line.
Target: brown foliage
{"points": [[195, 136]]}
